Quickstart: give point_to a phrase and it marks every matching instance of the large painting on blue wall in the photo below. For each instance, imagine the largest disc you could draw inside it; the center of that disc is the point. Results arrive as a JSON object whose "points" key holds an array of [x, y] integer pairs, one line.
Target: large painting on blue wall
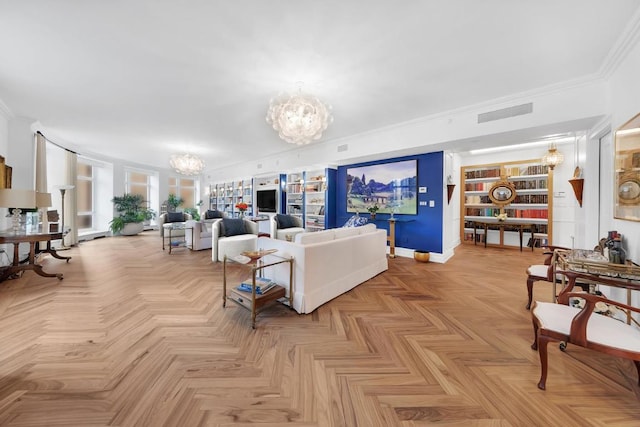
{"points": [[391, 186]]}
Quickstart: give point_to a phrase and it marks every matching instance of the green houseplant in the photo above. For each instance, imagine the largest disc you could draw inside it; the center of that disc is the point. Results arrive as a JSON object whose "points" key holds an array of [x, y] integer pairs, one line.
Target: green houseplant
{"points": [[373, 209], [173, 202], [195, 214], [132, 209]]}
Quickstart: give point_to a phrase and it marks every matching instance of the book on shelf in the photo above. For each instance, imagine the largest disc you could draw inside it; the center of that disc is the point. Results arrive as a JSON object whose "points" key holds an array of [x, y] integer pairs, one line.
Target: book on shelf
{"points": [[263, 285]]}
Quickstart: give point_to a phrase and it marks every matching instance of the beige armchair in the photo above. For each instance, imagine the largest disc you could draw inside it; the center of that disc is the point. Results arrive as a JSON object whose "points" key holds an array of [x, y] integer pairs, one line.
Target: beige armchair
{"points": [[172, 217], [285, 227], [232, 236]]}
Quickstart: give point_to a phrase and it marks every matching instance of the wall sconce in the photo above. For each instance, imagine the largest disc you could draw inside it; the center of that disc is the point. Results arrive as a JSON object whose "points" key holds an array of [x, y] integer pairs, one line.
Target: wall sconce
{"points": [[577, 182], [450, 187], [553, 157]]}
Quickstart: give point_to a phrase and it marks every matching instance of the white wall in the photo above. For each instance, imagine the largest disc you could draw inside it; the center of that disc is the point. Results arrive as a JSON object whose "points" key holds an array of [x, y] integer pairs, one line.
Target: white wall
{"points": [[4, 149], [624, 87]]}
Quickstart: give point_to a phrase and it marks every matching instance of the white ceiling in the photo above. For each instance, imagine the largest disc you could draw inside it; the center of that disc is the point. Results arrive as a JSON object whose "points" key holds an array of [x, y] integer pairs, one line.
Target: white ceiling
{"points": [[143, 79]]}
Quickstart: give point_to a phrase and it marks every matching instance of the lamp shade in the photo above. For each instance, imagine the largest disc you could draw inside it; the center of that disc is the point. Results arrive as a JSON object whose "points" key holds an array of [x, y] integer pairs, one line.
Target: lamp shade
{"points": [[43, 200], [13, 198]]}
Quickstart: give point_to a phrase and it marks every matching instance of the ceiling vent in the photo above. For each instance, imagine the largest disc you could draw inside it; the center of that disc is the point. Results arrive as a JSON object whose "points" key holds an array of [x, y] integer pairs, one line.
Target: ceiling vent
{"points": [[343, 147], [504, 113]]}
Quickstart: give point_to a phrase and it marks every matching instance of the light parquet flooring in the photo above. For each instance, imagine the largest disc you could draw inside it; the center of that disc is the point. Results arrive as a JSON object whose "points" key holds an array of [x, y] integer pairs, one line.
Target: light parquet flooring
{"points": [[134, 336]]}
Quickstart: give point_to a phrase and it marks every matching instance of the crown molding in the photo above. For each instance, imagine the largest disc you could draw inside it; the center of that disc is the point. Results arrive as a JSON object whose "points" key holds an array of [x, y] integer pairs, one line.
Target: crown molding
{"points": [[5, 111], [627, 40], [495, 103]]}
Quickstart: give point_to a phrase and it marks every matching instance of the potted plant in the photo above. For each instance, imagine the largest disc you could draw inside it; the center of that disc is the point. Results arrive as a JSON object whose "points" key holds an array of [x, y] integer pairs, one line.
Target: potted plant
{"points": [[373, 209], [195, 214], [132, 212], [173, 202]]}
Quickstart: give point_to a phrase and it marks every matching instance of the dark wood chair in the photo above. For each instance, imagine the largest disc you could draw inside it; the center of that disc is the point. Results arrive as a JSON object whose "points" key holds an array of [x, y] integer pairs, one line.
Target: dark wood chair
{"points": [[560, 322], [543, 272]]}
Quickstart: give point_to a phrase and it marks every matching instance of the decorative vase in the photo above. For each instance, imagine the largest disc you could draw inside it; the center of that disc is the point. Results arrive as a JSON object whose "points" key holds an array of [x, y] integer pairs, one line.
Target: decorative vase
{"points": [[373, 216], [421, 256], [132, 228]]}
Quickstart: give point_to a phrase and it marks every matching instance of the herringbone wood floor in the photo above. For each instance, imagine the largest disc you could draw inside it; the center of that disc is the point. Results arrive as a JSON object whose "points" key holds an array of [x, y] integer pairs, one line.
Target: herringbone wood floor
{"points": [[134, 336]]}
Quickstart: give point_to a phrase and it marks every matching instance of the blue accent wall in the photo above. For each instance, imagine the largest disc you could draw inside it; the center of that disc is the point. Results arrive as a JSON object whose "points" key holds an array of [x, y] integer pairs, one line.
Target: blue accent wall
{"points": [[422, 231]]}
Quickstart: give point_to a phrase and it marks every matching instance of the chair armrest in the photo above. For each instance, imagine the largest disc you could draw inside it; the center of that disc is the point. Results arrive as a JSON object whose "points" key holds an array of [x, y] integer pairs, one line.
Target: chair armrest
{"points": [[578, 331], [250, 226]]}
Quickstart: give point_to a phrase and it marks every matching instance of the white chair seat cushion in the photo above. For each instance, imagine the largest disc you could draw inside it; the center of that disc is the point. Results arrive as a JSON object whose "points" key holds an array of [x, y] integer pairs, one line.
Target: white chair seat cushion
{"points": [[601, 329], [281, 234], [540, 270], [234, 245]]}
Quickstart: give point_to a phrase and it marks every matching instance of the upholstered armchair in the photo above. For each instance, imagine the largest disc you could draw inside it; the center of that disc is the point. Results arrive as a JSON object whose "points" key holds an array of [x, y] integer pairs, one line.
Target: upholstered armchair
{"points": [[285, 227], [201, 237], [232, 236], [172, 217], [202, 230]]}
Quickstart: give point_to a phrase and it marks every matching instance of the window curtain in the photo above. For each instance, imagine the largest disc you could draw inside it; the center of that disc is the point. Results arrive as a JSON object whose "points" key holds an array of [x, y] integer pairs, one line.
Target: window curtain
{"points": [[70, 203], [41, 175]]}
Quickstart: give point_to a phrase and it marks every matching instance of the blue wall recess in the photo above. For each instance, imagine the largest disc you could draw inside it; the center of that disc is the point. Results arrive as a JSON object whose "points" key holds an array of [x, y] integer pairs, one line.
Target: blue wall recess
{"points": [[420, 232]]}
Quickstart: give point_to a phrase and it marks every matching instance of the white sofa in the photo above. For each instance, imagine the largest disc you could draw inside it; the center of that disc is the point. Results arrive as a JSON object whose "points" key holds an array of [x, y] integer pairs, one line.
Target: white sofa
{"points": [[328, 263]]}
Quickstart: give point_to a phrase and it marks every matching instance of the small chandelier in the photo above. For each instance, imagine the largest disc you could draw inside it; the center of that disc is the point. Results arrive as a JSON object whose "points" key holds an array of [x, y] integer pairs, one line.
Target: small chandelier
{"points": [[553, 157], [299, 118], [187, 164]]}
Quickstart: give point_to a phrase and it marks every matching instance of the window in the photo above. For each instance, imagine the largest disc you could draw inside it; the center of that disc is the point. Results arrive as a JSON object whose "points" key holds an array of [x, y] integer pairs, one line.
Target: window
{"points": [[184, 188], [84, 196], [137, 182]]}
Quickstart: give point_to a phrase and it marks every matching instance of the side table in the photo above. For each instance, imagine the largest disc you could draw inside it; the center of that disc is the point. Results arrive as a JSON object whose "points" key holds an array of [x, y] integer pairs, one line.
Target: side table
{"points": [[170, 228], [253, 301]]}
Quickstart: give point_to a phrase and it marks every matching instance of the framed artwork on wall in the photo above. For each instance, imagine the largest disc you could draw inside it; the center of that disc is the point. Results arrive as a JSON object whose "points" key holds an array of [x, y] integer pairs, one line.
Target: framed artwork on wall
{"points": [[627, 171], [391, 186], [3, 180], [8, 171]]}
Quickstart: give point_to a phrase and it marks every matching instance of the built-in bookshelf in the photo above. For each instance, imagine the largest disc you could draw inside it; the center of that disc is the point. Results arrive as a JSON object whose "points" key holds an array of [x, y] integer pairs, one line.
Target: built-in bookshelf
{"points": [[532, 204], [315, 189], [224, 196], [295, 195]]}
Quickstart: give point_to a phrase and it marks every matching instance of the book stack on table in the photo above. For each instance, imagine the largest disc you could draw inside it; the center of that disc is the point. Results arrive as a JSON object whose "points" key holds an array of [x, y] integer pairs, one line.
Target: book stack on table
{"points": [[263, 285]]}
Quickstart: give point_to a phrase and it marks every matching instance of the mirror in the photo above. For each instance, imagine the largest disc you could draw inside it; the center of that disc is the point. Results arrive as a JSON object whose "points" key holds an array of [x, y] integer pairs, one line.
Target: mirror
{"points": [[627, 171], [502, 193]]}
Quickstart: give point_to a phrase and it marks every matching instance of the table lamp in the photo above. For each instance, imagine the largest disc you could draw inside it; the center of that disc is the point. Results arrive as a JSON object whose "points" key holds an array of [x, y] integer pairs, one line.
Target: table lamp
{"points": [[16, 200], [43, 201]]}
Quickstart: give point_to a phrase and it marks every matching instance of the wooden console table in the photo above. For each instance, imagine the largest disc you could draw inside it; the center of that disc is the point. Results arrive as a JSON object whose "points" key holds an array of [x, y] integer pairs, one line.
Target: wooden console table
{"points": [[501, 225], [391, 236], [33, 239], [585, 261]]}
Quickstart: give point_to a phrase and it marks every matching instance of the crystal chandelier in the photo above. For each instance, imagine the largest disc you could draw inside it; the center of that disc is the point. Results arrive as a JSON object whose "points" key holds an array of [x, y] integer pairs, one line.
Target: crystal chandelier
{"points": [[298, 118], [553, 157], [187, 164]]}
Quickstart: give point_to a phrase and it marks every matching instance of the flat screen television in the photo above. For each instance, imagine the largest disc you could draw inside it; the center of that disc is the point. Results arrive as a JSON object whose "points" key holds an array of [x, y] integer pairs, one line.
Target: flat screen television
{"points": [[267, 200], [392, 186]]}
